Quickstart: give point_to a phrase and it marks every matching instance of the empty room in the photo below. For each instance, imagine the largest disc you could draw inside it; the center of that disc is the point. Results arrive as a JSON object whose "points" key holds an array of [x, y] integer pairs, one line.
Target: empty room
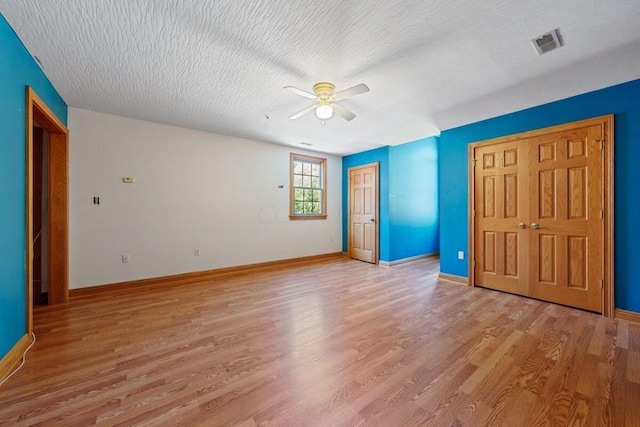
{"points": [[339, 213]]}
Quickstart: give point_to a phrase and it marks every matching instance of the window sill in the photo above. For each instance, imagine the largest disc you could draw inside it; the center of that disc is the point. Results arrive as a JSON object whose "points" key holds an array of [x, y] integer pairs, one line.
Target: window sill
{"points": [[303, 217]]}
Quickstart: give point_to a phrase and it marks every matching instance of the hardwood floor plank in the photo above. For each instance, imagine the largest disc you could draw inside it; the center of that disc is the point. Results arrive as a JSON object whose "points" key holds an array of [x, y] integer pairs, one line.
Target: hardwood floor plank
{"points": [[484, 370], [336, 342], [600, 409], [588, 380], [633, 367], [246, 423], [598, 339], [520, 411]]}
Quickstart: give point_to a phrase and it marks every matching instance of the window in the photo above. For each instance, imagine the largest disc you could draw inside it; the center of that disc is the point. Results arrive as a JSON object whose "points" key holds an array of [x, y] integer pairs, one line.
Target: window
{"points": [[308, 197]]}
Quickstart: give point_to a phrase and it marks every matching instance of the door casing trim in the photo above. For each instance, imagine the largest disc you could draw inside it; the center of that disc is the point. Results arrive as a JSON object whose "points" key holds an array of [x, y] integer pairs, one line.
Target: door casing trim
{"points": [[58, 219]]}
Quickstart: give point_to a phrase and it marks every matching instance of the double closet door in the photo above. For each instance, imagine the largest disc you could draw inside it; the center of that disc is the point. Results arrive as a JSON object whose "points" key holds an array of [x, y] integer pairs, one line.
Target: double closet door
{"points": [[539, 205]]}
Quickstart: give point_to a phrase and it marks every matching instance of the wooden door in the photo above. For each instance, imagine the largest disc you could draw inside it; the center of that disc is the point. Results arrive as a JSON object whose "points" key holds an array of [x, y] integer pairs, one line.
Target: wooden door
{"points": [[363, 212], [567, 212], [500, 216], [542, 214]]}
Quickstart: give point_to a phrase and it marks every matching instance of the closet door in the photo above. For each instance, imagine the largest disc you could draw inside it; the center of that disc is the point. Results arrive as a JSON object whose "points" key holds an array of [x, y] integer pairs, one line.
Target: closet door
{"points": [[567, 212], [501, 217], [542, 214]]}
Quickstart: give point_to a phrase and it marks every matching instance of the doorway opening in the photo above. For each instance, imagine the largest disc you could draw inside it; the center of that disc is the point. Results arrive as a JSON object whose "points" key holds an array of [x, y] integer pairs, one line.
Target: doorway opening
{"points": [[47, 149], [40, 217]]}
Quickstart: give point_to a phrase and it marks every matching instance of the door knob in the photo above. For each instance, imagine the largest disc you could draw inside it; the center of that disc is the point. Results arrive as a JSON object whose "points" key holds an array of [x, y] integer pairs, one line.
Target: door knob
{"points": [[522, 225], [373, 220], [535, 226]]}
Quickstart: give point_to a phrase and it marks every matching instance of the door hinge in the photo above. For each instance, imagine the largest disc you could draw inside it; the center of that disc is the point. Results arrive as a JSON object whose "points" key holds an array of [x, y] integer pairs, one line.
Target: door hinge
{"points": [[601, 213], [601, 142], [474, 162], [474, 263], [601, 283], [474, 214]]}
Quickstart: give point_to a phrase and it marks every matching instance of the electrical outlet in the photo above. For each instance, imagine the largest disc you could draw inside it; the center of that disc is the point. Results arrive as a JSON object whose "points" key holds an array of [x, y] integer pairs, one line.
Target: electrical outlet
{"points": [[126, 258], [460, 254], [196, 252]]}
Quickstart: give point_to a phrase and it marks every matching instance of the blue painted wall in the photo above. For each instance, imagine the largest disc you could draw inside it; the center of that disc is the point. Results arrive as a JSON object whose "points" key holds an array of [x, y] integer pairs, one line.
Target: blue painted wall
{"points": [[413, 199], [408, 197], [622, 100], [17, 70]]}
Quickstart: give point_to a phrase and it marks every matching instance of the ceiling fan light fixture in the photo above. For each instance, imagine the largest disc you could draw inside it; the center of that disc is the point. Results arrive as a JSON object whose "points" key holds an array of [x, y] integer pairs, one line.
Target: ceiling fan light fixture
{"points": [[324, 112]]}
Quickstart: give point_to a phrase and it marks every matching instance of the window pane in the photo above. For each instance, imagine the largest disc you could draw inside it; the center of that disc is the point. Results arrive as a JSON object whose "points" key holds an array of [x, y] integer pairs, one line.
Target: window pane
{"points": [[306, 168], [316, 195], [315, 182], [316, 208], [306, 181], [297, 167], [308, 195], [308, 207], [298, 194], [315, 169], [299, 206], [297, 180]]}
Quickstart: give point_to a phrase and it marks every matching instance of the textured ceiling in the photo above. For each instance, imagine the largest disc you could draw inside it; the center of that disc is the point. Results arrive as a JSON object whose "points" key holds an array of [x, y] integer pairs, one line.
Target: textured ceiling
{"points": [[220, 66]]}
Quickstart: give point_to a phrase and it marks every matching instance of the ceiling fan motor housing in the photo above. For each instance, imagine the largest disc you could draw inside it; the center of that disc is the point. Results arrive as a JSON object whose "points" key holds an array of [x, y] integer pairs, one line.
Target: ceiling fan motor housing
{"points": [[324, 91]]}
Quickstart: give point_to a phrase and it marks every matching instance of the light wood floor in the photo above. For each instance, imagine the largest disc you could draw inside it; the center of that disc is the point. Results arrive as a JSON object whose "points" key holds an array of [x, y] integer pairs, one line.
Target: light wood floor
{"points": [[335, 343]]}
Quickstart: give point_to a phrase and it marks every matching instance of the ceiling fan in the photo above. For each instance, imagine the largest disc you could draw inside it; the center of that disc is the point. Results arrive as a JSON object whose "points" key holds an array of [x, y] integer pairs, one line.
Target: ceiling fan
{"points": [[326, 97]]}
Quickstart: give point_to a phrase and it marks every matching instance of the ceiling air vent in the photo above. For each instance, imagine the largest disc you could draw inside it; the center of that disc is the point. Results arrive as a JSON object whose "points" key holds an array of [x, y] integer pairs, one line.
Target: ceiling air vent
{"points": [[547, 42]]}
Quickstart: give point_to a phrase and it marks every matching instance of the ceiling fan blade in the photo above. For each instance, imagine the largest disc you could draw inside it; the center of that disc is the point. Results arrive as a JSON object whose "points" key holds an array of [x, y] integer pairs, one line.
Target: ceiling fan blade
{"points": [[352, 91], [303, 112], [343, 112], [300, 92]]}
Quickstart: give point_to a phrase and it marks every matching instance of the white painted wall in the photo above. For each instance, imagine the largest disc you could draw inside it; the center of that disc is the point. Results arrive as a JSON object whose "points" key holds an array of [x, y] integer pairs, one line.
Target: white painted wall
{"points": [[192, 190]]}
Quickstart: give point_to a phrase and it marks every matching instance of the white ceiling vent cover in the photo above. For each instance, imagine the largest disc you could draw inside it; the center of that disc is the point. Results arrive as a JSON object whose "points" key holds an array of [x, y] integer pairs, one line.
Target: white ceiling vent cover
{"points": [[547, 42]]}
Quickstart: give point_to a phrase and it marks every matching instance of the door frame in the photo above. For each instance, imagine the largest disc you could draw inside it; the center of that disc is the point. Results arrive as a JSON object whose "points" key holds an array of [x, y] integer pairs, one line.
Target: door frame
{"points": [[57, 190], [376, 166], [607, 122]]}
